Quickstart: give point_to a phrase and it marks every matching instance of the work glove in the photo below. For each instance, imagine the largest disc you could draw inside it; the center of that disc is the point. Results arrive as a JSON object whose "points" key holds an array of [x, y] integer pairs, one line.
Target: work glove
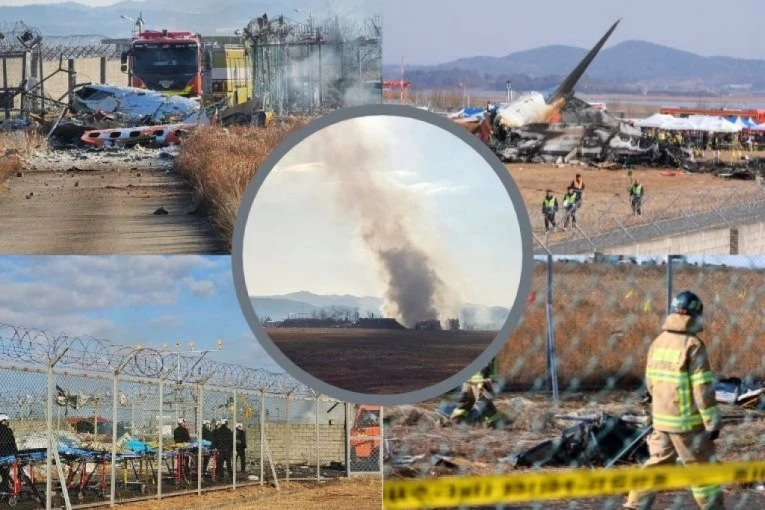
{"points": [[714, 435]]}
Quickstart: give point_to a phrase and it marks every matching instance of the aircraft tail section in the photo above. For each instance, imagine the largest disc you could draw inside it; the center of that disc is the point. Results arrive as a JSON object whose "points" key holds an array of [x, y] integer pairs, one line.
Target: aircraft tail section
{"points": [[567, 87]]}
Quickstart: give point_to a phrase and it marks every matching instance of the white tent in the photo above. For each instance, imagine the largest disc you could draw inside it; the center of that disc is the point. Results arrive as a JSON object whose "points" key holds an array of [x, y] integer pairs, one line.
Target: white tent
{"points": [[718, 125], [761, 127], [680, 124], [654, 121]]}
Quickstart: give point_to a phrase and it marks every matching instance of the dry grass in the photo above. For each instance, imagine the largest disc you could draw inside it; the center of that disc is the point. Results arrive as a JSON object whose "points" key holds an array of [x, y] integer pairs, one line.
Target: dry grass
{"points": [[531, 418], [606, 317], [219, 163], [343, 494], [14, 147]]}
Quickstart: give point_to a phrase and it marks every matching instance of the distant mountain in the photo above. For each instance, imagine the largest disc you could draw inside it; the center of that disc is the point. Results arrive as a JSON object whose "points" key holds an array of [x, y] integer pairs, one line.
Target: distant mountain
{"points": [[303, 302], [277, 308], [209, 18], [630, 64]]}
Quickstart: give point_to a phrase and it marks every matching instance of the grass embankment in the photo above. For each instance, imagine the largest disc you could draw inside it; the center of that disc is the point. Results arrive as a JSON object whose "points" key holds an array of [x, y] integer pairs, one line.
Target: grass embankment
{"points": [[219, 163]]}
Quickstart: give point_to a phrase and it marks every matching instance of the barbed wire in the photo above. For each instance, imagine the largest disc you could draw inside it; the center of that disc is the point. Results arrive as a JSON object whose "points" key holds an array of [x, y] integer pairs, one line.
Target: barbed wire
{"points": [[41, 348]]}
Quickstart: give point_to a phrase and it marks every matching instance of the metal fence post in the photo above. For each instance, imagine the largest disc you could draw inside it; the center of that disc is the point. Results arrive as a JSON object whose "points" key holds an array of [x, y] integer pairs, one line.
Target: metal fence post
{"points": [[233, 446], [113, 489], [318, 461], [347, 439], [159, 447], [200, 446], [551, 358], [287, 441], [49, 451], [669, 282], [262, 431], [381, 448]]}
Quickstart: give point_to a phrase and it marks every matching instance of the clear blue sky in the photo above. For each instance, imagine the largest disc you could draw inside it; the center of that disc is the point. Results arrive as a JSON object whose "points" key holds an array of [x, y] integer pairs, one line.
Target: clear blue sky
{"points": [[130, 300], [298, 239], [435, 31]]}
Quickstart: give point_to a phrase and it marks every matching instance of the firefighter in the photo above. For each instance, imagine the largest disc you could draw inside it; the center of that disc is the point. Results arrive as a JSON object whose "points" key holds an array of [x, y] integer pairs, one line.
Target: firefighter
{"points": [[476, 389], [223, 441], [686, 419], [569, 208], [578, 186], [241, 445], [8, 448], [636, 198], [549, 209]]}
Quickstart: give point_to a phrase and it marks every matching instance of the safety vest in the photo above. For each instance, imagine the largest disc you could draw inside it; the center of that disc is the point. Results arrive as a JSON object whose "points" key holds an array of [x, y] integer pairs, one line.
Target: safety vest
{"points": [[549, 203], [577, 184], [569, 200], [637, 190], [680, 380]]}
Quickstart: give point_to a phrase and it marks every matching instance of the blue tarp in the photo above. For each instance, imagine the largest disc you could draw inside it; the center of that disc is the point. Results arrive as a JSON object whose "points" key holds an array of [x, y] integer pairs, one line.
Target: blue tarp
{"points": [[469, 112]]}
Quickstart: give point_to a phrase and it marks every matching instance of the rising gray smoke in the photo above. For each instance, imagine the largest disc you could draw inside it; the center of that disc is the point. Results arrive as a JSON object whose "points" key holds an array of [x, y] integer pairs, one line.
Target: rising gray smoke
{"points": [[355, 153]]}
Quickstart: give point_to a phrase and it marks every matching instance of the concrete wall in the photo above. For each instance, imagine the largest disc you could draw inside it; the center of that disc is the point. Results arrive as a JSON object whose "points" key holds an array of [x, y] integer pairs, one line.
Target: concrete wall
{"points": [[751, 239], [88, 70], [740, 240], [297, 444]]}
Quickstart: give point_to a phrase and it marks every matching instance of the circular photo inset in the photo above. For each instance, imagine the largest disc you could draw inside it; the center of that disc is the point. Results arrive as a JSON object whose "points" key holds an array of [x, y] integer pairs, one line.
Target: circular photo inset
{"points": [[382, 255]]}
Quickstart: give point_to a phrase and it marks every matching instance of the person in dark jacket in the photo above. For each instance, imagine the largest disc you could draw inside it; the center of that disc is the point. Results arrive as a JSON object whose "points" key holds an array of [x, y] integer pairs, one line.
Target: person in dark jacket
{"points": [[7, 448], [181, 433], [241, 445], [223, 441], [206, 436]]}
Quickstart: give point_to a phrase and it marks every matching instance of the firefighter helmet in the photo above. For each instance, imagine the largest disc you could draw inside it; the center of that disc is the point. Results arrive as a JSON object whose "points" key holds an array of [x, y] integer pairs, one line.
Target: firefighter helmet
{"points": [[4, 417], [687, 303]]}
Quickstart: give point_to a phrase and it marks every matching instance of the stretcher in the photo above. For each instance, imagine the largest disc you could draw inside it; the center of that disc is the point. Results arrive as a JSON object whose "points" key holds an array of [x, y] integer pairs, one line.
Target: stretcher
{"points": [[22, 483]]}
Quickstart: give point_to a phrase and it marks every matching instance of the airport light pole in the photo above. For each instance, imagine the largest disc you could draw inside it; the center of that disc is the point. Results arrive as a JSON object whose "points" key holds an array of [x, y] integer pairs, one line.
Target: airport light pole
{"points": [[509, 86]]}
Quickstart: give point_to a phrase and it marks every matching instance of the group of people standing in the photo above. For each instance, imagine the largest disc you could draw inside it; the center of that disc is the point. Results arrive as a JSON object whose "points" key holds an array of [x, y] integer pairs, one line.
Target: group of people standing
{"points": [[572, 201], [222, 439]]}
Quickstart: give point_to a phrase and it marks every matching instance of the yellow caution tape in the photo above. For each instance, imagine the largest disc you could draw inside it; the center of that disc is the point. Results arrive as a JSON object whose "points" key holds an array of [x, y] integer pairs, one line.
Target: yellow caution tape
{"points": [[456, 491]]}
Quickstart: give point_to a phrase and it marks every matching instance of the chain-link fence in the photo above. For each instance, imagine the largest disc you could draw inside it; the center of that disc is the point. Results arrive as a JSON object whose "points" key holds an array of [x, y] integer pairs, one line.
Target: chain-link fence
{"points": [[315, 66], [95, 422], [698, 221], [570, 389]]}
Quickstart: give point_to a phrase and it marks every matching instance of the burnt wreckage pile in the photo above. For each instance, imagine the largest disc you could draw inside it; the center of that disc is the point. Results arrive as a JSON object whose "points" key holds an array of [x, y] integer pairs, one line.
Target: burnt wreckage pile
{"points": [[584, 134], [588, 135]]}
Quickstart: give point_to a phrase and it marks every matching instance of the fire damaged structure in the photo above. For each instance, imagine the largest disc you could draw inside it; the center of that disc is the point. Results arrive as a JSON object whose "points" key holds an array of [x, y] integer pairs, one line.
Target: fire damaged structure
{"points": [[584, 133]]}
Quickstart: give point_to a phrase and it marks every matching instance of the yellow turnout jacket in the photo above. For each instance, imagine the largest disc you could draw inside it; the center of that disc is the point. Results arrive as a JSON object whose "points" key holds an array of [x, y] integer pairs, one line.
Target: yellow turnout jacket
{"points": [[680, 380]]}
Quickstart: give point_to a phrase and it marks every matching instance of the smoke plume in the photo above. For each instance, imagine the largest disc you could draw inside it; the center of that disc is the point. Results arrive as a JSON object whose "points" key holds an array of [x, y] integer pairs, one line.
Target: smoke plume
{"points": [[355, 154]]}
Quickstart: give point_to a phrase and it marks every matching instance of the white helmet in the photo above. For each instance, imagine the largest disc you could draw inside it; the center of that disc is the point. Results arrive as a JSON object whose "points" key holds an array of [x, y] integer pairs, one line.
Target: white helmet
{"points": [[181, 420], [206, 422], [239, 426], [224, 421], [4, 417]]}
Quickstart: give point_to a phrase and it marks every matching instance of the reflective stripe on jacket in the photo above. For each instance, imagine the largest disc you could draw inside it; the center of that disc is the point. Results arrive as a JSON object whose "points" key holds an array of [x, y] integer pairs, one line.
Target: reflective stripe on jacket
{"points": [[680, 380], [569, 200]]}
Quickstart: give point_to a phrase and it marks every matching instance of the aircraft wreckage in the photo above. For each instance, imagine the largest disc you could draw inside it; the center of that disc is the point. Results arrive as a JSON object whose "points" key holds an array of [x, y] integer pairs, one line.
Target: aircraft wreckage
{"points": [[103, 115], [563, 128]]}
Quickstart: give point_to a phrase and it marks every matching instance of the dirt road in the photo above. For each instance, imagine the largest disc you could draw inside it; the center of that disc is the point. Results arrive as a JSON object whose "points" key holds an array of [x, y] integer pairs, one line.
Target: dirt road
{"points": [[77, 202], [344, 494], [380, 361]]}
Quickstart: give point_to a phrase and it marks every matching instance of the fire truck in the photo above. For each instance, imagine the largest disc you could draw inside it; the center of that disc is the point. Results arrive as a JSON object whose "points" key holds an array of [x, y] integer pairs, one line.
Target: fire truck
{"points": [[182, 63], [168, 62]]}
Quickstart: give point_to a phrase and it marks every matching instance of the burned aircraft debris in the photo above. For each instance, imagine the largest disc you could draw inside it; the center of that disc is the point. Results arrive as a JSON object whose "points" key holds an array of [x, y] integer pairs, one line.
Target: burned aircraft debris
{"points": [[600, 440]]}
